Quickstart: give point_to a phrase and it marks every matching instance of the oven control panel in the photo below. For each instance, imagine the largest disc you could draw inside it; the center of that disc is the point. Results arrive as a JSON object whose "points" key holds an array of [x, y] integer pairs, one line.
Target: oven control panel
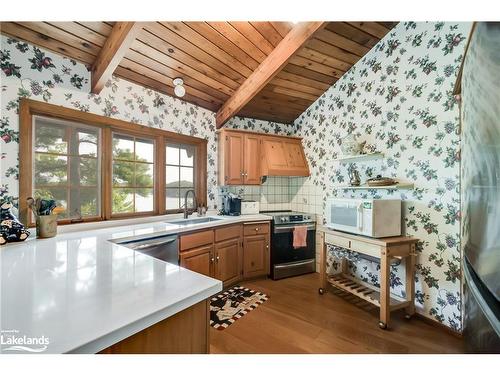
{"points": [[292, 218]]}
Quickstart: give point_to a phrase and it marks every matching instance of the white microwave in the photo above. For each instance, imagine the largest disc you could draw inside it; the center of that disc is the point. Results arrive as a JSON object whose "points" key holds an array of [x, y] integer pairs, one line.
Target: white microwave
{"points": [[368, 217]]}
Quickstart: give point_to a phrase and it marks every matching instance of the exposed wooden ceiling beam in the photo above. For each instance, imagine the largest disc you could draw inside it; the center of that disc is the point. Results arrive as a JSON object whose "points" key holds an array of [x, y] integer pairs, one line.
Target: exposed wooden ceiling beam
{"points": [[118, 42], [267, 69]]}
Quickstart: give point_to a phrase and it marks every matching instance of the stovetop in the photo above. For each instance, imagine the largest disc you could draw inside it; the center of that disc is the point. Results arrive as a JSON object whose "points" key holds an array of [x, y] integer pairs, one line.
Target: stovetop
{"points": [[289, 217]]}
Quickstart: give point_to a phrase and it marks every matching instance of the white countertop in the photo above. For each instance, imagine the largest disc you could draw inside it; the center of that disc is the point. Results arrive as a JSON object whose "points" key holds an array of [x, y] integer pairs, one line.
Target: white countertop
{"points": [[85, 293]]}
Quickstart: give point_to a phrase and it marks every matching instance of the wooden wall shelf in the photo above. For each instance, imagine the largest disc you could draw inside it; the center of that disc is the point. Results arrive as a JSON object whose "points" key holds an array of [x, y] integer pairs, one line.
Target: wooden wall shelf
{"points": [[362, 157], [398, 186]]}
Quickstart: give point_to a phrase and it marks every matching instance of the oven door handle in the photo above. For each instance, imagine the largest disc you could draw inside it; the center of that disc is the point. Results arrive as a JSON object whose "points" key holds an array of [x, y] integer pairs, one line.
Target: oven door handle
{"points": [[280, 229]]}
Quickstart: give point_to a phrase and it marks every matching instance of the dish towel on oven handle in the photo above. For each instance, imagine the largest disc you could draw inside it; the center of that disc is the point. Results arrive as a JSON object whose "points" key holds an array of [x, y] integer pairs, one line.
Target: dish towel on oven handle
{"points": [[299, 236]]}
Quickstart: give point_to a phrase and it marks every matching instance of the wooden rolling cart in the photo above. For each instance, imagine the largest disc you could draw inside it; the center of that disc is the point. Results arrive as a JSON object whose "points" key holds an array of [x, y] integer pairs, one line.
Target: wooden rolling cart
{"points": [[384, 249]]}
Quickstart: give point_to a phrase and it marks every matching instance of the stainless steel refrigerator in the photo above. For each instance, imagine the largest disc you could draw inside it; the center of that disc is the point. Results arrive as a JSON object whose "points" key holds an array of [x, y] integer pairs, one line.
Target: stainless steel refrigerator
{"points": [[480, 114]]}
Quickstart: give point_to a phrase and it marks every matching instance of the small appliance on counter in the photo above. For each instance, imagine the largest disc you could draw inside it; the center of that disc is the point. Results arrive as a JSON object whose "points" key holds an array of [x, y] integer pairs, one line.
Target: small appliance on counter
{"points": [[368, 217], [249, 207], [231, 205]]}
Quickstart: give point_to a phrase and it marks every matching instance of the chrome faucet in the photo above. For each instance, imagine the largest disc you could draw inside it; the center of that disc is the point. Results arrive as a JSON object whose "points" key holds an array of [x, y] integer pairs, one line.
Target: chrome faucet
{"points": [[188, 211]]}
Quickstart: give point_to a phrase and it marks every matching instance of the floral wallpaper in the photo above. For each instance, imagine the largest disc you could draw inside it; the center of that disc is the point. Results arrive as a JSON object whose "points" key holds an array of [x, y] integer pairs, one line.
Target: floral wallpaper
{"points": [[32, 72], [398, 98]]}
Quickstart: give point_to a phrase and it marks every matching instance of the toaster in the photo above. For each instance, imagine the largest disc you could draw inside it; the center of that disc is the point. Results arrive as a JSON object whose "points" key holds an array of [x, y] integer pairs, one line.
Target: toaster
{"points": [[249, 207]]}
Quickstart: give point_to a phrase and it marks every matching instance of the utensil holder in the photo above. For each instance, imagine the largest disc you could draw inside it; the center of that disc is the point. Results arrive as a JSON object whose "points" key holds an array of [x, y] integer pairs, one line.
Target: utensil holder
{"points": [[46, 226]]}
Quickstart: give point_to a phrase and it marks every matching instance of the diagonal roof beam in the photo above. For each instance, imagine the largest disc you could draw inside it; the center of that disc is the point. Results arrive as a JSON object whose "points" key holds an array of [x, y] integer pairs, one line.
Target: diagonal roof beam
{"points": [[267, 69], [118, 42]]}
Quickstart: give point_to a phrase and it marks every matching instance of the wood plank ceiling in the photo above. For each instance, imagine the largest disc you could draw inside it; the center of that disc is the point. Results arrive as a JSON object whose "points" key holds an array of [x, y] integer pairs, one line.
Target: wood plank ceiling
{"points": [[215, 58]]}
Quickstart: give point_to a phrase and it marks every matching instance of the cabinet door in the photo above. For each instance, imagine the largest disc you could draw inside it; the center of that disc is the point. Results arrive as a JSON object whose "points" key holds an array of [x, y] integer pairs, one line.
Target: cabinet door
{"points": [[251, 160], [199, 260], [227, 261], [295, 154], [233, 159], [255, 256], [274, 155]]}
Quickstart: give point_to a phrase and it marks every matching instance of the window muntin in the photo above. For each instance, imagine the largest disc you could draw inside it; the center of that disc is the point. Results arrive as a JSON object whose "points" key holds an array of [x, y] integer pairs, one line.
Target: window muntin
{"points": [[179, 174], [133, 177], [66, 166]]}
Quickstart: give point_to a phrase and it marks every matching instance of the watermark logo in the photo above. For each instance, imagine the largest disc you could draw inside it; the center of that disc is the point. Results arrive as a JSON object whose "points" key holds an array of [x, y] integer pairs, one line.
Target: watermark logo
{"points": [[13, 341]]}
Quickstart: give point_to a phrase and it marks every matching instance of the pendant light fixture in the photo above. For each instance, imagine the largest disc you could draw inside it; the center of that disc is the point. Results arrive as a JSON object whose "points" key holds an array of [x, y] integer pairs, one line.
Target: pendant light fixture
{"points": [[179, 89]]}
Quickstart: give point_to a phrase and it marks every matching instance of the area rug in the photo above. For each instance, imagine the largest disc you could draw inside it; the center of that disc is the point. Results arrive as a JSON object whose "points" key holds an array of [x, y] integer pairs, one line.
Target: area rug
{"points": [[232, 304]]}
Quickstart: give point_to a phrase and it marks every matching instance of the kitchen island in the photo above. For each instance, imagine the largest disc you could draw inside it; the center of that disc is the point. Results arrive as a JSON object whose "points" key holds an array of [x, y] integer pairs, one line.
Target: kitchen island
{"points": [[84, 293]]}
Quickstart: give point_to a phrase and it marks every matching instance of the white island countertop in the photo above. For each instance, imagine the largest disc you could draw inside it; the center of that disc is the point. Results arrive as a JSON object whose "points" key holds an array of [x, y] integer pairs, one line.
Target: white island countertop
{"points": [[84, 293]]}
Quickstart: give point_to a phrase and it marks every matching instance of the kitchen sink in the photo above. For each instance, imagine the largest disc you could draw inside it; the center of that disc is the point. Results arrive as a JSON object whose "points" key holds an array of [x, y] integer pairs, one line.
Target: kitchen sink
{"points": [[199, 220]]}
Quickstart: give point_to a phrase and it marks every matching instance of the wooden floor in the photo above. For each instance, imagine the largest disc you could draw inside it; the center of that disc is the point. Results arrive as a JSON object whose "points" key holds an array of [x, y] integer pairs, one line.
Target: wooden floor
{"points": [[296, 319]]}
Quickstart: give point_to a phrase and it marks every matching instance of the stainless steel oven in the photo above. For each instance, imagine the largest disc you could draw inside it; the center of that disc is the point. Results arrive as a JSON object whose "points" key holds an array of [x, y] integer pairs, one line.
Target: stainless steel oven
{"points": [[286, 260]]}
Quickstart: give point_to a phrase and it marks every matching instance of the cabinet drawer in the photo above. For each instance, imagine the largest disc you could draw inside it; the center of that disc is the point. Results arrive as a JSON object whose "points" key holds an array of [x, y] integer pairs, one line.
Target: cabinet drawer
{"points": [[366, 248], [188, 241], [257, 228], [227, 233], [337, 241]]}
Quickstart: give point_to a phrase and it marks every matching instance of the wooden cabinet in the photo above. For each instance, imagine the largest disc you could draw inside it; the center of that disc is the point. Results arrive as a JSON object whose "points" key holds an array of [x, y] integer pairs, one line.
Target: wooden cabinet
{"points": [[239, 158], [244, 157], [196, 239], [199, 260], [295, 156], [229, 253], [227, 261], [251, 229], [251, 159], [256, 254], [216, 253], [232, 158], [186, 332], [273, 155], [283, 156]]}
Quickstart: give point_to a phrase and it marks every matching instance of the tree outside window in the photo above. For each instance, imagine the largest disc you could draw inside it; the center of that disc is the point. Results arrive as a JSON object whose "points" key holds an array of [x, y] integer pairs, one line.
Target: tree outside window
{"points": [[67, 166], [133, 174], [179, 174]]}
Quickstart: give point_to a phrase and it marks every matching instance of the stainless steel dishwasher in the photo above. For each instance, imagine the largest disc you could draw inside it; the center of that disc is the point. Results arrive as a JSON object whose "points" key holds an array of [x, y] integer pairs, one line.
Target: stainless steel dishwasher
{"points": [[165, 248]]}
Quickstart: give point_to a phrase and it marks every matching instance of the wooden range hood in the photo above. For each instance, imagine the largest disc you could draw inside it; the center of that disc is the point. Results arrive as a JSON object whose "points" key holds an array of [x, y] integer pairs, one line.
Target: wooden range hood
{"points": [[245, 157]]}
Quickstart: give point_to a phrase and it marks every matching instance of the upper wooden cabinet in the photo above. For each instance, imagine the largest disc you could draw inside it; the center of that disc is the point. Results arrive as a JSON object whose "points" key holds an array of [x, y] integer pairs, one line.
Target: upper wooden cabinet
{"points": [[283, 156], [251, 159], [244, 157], [239, 155]]}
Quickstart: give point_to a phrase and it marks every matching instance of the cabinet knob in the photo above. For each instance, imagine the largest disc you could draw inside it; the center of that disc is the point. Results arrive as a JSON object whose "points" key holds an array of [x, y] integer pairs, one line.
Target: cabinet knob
{"points": [[267, 246], [217, 258], [257, 229], [212, 259]]}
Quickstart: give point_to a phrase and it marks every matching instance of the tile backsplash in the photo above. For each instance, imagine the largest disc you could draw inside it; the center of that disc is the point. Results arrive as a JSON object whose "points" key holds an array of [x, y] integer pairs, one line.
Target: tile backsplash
{"points": [[273, 194], [281, 193], [305, 196]]}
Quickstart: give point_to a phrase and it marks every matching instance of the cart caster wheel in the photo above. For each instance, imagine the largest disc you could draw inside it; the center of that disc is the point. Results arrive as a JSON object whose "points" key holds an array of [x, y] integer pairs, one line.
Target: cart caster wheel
{"points": [[408, 316], [321, 291], [382, 325]]}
